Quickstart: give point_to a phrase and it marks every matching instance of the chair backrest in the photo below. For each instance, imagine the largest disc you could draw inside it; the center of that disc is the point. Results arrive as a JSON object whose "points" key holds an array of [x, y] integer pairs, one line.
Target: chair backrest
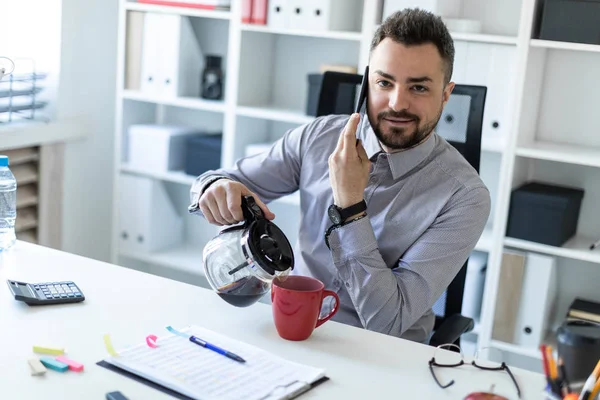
{"points": [[460, 124]]}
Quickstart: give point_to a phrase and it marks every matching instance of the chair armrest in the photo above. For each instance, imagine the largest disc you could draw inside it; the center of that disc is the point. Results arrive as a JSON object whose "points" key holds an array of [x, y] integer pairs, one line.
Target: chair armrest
{"points": [[451, 330]]}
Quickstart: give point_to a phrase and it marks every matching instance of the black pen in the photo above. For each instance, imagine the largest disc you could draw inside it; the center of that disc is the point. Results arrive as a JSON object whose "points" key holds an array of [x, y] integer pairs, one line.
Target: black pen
{"points": [[594, 245], [216, 349]]}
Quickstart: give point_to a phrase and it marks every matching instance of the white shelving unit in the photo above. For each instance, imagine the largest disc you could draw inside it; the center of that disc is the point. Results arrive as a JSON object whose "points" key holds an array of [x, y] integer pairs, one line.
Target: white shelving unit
{"points": [[538, 124]]}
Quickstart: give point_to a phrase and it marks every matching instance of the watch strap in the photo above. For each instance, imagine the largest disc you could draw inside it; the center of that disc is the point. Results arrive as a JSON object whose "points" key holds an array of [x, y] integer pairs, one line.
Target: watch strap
{"points": [[354, 209]]}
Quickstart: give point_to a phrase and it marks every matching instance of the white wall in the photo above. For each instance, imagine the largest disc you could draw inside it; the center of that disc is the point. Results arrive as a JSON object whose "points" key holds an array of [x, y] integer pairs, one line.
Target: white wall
{"points": [[87, 91]]}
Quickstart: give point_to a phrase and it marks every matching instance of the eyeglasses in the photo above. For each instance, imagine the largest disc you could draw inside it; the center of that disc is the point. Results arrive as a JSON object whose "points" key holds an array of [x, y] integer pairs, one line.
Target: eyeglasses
{"points": [[449, 359]]}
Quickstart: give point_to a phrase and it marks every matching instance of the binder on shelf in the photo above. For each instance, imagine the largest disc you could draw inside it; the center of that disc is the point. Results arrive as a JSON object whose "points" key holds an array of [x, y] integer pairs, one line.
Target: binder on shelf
{"points": [[259, 12], [334, 15], [171, 60], [278, 14], [247, 11], [198, 4], [537, 300], [445, 8], [512, 270], [148, 221], [133, 50]]}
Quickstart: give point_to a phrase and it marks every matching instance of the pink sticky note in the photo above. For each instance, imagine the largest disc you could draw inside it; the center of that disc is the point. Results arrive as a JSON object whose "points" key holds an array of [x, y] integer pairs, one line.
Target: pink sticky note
{"points": [[151, 341], [73, 365]]}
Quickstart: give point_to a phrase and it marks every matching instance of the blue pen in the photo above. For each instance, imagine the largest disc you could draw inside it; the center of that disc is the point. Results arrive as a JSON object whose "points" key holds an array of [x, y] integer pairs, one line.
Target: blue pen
{"points": [[214, 348]]}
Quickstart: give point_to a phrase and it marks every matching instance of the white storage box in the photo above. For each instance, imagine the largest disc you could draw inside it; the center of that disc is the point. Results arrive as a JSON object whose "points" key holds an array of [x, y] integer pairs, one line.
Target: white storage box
{"points": [[324, 15], [148, 220], [158, 148], [444, 8]]}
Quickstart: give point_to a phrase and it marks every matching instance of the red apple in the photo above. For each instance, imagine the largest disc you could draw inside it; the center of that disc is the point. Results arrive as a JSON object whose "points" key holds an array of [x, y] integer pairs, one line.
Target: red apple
{"points": [[484, 396]]}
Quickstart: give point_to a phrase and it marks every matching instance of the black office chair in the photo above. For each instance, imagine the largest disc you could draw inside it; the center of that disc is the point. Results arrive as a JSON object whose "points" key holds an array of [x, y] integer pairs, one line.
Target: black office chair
{"points": [[460, 124]]}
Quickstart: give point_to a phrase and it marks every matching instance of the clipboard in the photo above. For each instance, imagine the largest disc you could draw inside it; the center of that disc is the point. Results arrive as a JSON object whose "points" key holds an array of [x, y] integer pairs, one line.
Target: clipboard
{"points": [[178, 395], [176, 366]]}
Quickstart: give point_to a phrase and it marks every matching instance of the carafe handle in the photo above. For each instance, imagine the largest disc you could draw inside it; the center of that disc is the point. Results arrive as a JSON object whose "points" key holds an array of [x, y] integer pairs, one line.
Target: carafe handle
{"points": [[251, 210]]}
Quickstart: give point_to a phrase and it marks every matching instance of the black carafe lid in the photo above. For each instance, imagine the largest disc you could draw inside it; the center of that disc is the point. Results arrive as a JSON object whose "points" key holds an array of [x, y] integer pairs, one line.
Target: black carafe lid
{"points": [[269, 247]]}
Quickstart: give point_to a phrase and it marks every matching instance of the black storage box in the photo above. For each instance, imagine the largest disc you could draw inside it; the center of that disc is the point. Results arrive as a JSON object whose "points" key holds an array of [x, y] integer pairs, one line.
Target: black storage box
{"points": [[544, 213], [571, 21], [345, 97], [203, 153]]}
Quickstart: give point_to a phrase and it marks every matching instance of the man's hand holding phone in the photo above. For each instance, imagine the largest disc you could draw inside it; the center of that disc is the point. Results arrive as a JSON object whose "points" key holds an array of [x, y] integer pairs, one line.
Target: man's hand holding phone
{"points": [[221, 203], [349, 167]]}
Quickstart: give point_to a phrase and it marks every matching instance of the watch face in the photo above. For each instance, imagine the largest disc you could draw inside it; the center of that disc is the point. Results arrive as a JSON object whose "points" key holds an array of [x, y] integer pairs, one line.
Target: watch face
{"points": [[334, 214]]}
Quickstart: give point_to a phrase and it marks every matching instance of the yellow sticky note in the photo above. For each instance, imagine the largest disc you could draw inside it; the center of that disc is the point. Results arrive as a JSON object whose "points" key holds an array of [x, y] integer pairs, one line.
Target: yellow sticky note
{"points": [[109, 346], [49, 350]]}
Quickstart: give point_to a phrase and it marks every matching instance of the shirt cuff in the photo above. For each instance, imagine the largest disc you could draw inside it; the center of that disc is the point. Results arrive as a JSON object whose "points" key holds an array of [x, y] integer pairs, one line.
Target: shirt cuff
{"points": [[198, 189], [354, 238]]}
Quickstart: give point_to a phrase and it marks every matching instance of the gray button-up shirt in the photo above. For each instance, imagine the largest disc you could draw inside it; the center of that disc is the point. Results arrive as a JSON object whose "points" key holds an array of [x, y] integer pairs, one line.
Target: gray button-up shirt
{"points": [[426, 206]]}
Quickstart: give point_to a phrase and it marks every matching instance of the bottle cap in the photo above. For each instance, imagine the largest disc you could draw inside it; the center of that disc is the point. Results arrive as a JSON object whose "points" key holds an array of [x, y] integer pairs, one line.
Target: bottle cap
{"points": [[3, 161]]}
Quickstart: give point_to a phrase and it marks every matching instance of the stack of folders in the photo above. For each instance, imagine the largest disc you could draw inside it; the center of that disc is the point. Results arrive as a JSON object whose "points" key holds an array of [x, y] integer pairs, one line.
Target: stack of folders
{"points": [[202, 4], [584, 310], [179, 367]]}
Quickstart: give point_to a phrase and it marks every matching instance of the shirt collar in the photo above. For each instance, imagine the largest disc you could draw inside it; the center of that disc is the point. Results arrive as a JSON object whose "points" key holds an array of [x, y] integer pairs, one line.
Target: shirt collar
{"points": [[400, 162]]}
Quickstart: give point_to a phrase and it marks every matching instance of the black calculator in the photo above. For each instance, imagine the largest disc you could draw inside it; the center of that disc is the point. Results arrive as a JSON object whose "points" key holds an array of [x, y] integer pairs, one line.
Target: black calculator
{"points": [[46, 293]]}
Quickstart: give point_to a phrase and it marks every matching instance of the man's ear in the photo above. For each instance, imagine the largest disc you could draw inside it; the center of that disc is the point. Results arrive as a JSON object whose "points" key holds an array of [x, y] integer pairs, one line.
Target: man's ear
{"points": [[447, 92]]}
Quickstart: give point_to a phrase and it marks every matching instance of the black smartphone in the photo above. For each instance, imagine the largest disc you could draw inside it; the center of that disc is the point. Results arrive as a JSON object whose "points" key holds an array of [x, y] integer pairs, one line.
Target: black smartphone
{"points": [[364, 85]]}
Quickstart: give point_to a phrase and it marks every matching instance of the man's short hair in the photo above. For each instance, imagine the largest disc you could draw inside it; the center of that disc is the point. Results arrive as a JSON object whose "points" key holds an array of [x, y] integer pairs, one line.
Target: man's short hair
{"points": [[415, 27]]}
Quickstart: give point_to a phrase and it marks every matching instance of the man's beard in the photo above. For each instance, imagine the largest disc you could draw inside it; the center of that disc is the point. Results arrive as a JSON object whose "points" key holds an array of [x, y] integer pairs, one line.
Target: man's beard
{"points": [[402, 138]]}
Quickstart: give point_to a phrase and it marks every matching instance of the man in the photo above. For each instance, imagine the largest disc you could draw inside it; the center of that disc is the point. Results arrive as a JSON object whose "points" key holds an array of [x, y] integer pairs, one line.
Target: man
{"points": [[426, 207]]}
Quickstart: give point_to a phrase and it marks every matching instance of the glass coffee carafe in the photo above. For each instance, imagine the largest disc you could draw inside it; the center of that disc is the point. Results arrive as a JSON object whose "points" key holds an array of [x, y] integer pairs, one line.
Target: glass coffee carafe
{"points": [[241, 261]]}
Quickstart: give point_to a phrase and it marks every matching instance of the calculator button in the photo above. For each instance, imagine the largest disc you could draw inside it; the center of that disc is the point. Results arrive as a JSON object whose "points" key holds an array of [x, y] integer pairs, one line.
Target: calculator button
{"points": [[78, 295], [64, 296]]}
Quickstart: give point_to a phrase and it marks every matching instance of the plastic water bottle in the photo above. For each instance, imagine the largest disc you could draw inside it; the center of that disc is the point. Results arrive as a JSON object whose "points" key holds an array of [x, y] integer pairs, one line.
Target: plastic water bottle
{"points": [[8, 205]]}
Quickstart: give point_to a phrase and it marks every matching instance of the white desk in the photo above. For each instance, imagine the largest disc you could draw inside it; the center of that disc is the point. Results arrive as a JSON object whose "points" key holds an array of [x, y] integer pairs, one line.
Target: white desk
{"points": [[131, 305]]}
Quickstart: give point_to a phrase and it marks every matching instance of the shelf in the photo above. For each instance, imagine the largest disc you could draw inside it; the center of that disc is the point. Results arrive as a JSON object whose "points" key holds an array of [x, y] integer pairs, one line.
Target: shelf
{"points": [[533, 352], [565, 153], [25, 134], [186, 257], [578, 248], [174, 176], [275, 114], [552, 44], [484, 38], [183, 102], [22, 156], [25, 174], [485, 241], [356, 36], [186, 11]]}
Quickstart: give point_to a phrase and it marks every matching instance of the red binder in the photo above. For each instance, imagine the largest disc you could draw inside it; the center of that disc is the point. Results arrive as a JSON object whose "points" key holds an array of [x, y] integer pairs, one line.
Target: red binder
{"points": [[247, 11], [259, 12]]}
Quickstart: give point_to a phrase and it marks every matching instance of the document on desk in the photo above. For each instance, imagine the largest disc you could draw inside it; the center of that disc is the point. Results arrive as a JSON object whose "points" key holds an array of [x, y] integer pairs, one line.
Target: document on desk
{"points": [[199, 373]]}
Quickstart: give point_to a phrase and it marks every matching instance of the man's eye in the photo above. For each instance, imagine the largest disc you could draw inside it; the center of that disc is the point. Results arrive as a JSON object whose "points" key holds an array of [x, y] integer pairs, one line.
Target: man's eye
{"points": [[383, 83], [420, 88]]}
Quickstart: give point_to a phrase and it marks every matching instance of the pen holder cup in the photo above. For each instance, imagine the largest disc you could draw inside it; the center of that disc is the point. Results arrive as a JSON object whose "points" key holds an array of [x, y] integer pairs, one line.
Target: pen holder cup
{"points": [[579, 347]]}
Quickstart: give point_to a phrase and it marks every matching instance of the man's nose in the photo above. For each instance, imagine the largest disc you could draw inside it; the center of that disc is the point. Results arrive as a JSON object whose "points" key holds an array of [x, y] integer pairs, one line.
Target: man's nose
{"points": [[399, 100]]}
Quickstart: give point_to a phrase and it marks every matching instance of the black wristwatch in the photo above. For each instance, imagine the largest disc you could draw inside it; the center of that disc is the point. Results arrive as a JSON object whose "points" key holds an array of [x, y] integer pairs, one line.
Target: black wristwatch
{"points": [[338, 215]]}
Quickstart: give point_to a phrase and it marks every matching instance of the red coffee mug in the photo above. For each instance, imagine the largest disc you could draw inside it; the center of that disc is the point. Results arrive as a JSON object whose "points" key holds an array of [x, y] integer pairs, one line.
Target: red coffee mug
{"points": [[297, 304]]}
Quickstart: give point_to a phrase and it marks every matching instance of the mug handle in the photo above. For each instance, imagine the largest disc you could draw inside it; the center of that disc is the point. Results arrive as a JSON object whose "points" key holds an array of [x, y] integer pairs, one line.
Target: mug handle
{"points": [[327, 293]]}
